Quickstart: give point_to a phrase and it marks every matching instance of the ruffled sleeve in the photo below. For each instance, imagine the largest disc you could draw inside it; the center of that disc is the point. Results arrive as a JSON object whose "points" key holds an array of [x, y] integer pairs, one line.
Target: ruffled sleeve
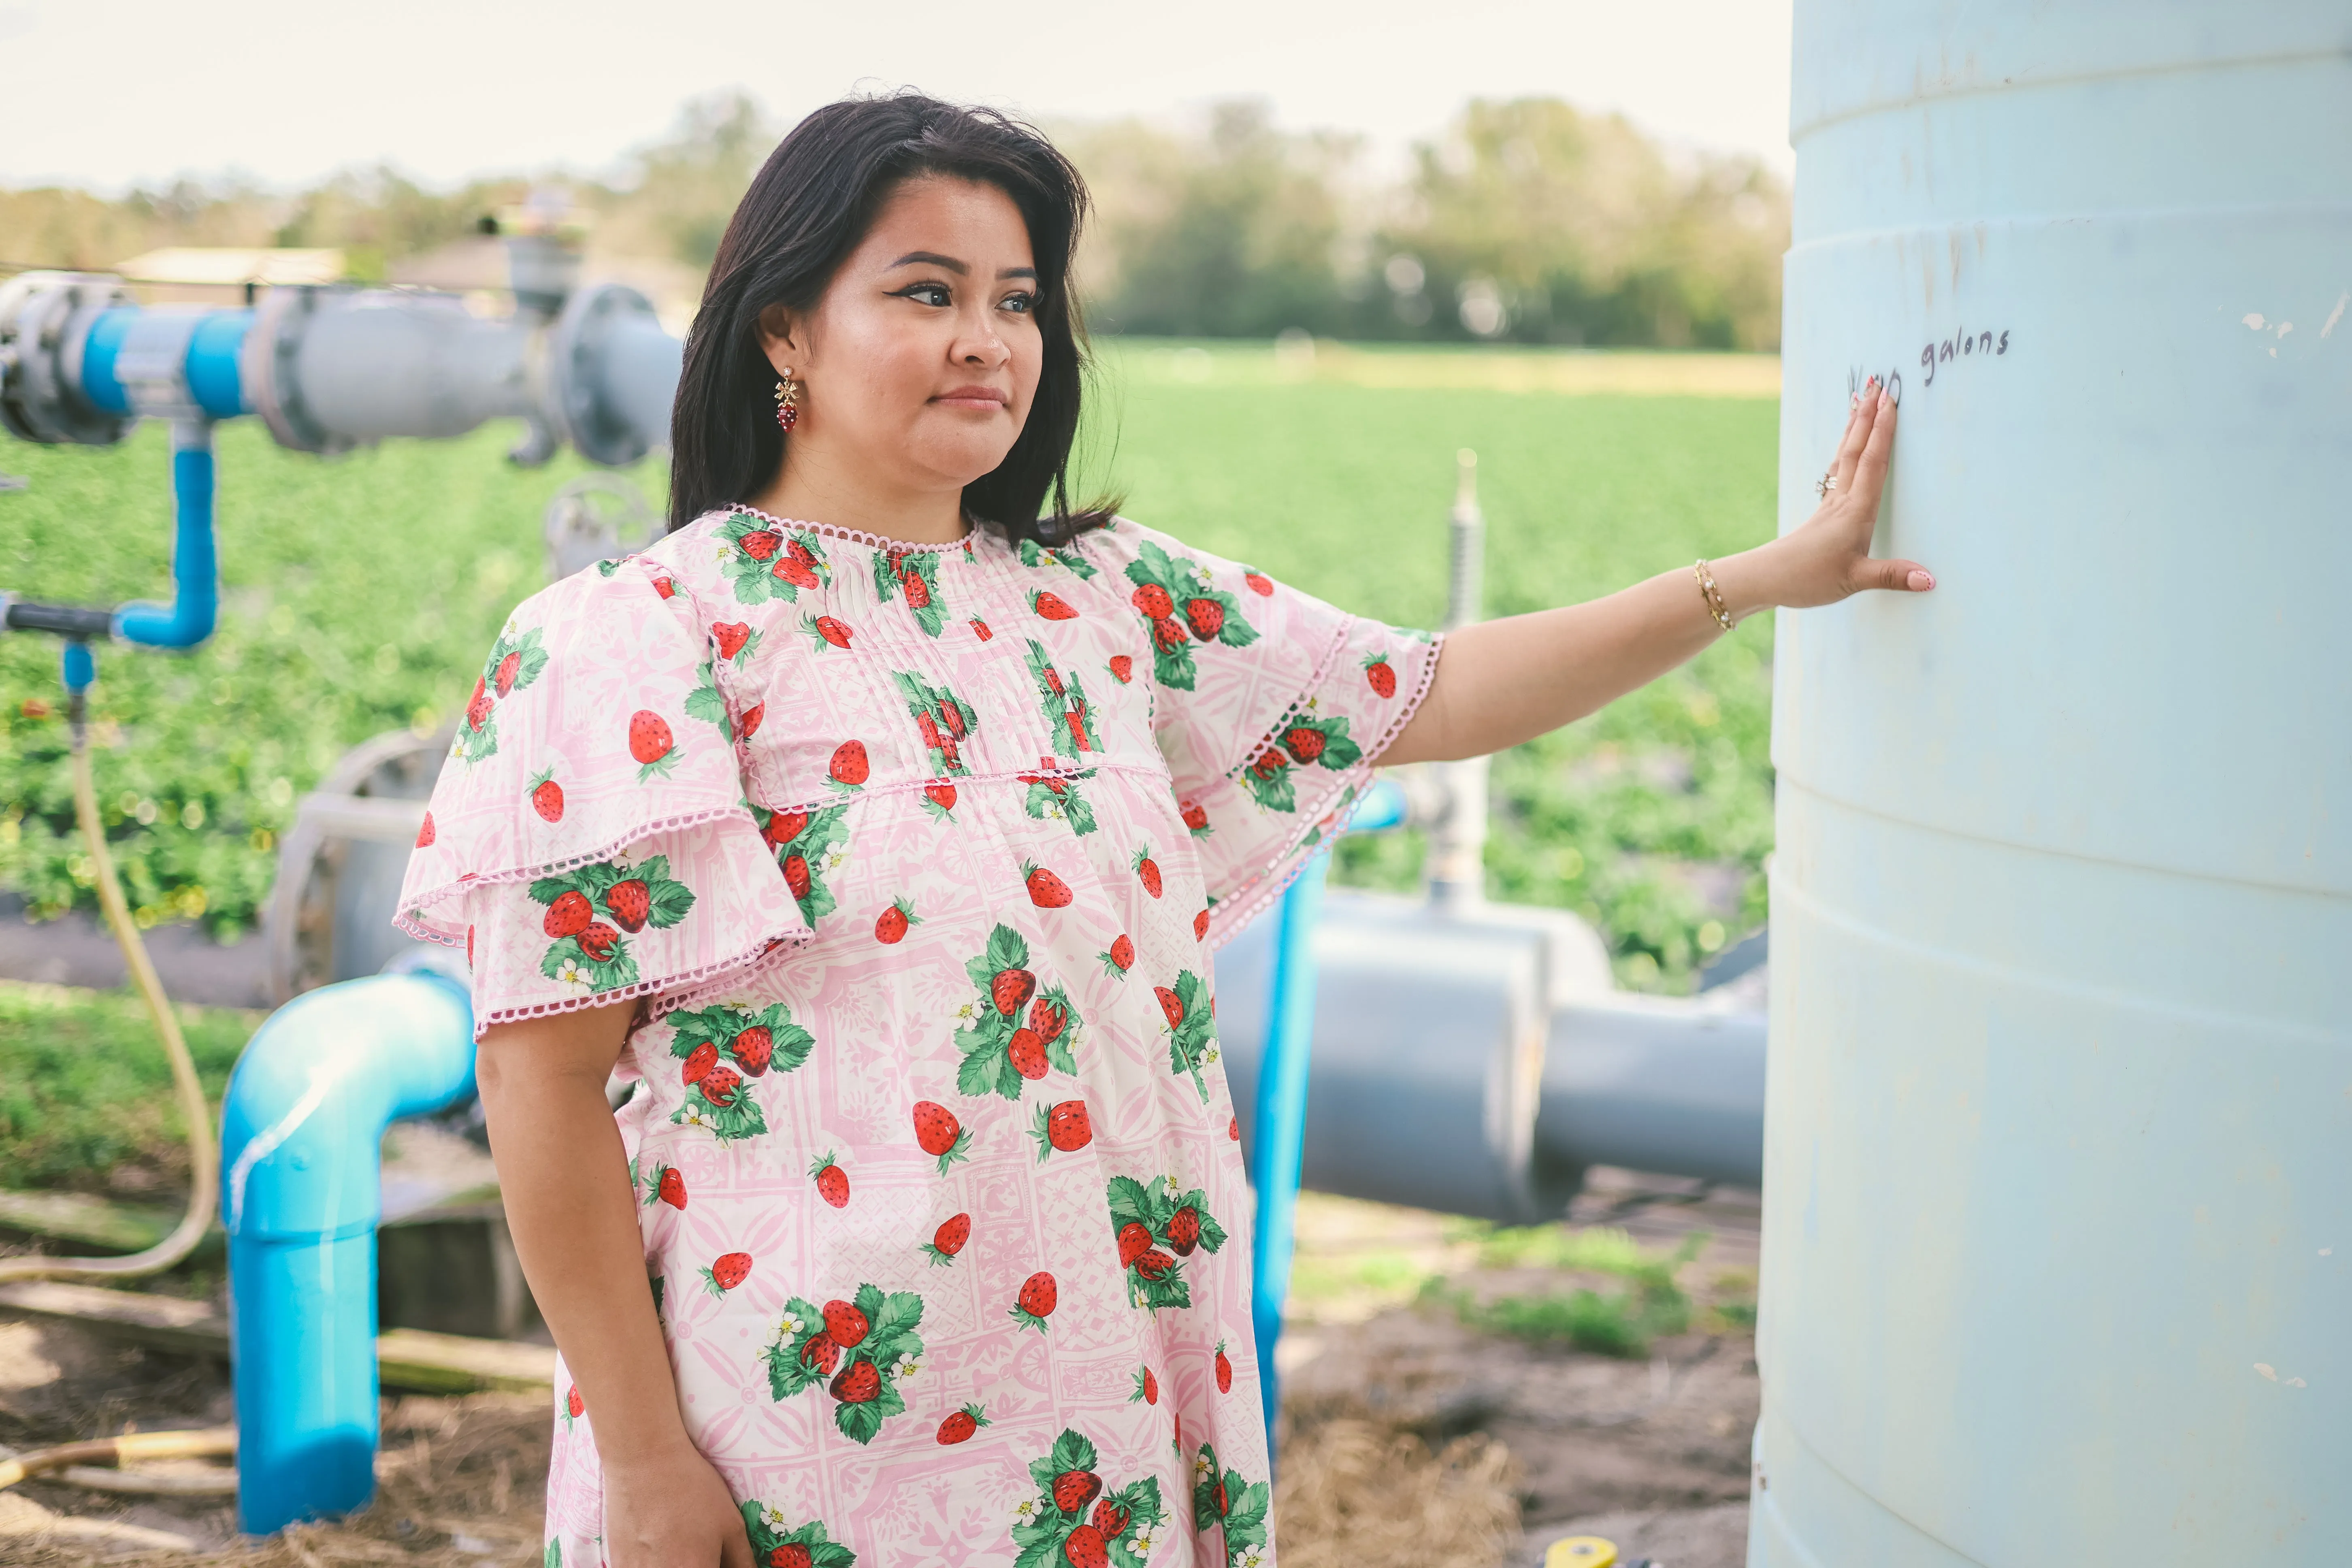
{"points": [[588, 839], [1272, 707]]}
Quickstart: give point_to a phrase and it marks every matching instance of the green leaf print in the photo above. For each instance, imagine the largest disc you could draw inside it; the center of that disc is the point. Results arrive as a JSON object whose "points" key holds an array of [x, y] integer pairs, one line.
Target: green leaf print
{"points": [[810, 847], [1191, 1028], [1180, 607], [1072, 1495], [1070, 557], [771, 1536], [589, 908], [942, 718], [765, 562], [1177, 1224], [861, 1379], [1062, 699], [722, 1047], [915, 574], [704, 703], [1010, 1022], [1307, 741], [1055, 797]]}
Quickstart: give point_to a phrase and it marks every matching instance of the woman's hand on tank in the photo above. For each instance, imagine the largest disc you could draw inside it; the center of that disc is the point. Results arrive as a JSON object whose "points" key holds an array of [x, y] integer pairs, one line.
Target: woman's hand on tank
{"points": [[1827, 558], [670, 1509]]}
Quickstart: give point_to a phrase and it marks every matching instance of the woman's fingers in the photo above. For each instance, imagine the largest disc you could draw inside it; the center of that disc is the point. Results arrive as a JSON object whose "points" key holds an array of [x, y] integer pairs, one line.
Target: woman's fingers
{"points": [[1848, 449], [1899, 576], [1869, 477]]}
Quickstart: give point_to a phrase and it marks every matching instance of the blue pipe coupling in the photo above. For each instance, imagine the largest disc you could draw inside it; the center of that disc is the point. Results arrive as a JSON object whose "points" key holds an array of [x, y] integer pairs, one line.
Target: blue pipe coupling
{"points": [[301, 1139]]}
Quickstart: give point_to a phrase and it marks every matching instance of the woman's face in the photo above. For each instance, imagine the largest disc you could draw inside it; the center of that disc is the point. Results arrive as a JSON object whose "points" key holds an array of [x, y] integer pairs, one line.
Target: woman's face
{"points": [[919, 365]]}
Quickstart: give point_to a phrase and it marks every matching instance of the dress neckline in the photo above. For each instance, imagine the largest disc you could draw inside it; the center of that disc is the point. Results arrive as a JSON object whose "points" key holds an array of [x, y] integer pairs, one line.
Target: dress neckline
{"points": [[856, 536]]}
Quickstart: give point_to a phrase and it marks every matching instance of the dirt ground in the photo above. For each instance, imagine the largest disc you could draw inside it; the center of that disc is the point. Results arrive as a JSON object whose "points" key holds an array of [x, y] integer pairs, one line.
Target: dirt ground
{"points": [[1402, 1427]]}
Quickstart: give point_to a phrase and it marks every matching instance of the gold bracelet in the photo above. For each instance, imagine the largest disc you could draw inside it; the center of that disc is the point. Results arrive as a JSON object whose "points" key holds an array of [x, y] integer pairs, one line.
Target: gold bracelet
{"points": [[1715, 605]]}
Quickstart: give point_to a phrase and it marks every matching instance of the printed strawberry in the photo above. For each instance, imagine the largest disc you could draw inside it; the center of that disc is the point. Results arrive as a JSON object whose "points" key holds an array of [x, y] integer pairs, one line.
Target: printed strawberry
{"points": [[949, 1239], [1027, 1050], [1153, 601], [1382, 674], [1170, 1004], [800, 553], [938, 1133], [1207, 616], [1234, 1128], [918, 592], [424, 830], [980, 629], [1224, 1370], [569, 915], [1218, 1501], [731, 636], [1008, 988], [1134, 1241], [942, 795], [1168, 634], [1148, 869], [1119, 957], [786, 826], [669, 1188], [1048, 1017], [761, 543], [478, 708], [698, 1063], [725, 1272], [849, 765], [630, 902], [858, 1383], [961, 1424], [665, 588], [1073, 1489], [1184, 1231], [597, 942], [951, 718], [1085, 1548], [1146, 1387], [1196, 818], [821, 1355], [1303, 742], [825, 629], [1201, 926], [1154, 1265], [546, 797], [718, 1086], [798, 574], [748, 725], [573, 1406], [650, 743], [504, 679], [1122, 668], [753, 1048], [845, 1325], [1269, 763], [1259, 582], [832, 1181], [1036, 1302], [792, 1554], [1051, 606], [796, 874], [1046, 890], [890, 925], [1112, 1519], [1065, 1127], [469, 947]]}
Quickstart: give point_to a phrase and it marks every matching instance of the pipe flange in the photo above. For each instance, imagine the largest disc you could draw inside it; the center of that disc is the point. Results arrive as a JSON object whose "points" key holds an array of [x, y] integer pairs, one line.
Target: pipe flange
{"points": [[574, 409], [45, 321], [268, 364]]}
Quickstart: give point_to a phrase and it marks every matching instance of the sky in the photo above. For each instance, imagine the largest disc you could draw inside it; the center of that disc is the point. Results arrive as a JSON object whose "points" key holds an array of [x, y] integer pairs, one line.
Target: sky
{"points": [[104, 94]]}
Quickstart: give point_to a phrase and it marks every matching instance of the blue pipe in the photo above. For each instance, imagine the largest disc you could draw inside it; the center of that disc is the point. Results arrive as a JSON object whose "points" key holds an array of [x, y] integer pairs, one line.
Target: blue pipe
{"points": [[1281, 1116], [211, 364], [100, 352], [188, 619], [302, 1137]]}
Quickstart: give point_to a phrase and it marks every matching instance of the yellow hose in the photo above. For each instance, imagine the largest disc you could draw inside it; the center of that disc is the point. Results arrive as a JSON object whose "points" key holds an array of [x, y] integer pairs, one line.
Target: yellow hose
{"points": [[203, 1160], [214, 1442]]}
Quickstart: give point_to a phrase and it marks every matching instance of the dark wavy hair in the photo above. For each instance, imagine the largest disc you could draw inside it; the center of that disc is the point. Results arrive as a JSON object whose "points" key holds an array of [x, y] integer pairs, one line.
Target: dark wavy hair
{"points": [[807, 209]]}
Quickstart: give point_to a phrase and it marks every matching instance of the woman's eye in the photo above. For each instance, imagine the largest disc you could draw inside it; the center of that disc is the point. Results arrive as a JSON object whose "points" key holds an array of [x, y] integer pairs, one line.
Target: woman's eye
{"points": [[927, 294], [1020, 304]]}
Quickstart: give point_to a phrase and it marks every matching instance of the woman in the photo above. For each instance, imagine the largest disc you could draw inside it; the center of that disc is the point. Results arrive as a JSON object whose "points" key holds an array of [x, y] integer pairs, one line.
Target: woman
{"points": [[880, 821]]}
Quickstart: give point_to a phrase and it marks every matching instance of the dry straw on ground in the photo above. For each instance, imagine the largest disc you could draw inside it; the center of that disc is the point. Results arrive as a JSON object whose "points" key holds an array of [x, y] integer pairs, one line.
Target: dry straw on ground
{"points": [[1352, 1493]]}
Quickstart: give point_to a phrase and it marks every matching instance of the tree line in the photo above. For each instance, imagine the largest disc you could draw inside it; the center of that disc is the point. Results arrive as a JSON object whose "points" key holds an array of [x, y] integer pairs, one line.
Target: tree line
{"points": [[1527, 221]]}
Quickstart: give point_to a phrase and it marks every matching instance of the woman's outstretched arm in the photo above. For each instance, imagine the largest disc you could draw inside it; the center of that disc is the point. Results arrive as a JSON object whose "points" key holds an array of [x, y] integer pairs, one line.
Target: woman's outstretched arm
{"points": [[573, 1214], [1501, 682]]}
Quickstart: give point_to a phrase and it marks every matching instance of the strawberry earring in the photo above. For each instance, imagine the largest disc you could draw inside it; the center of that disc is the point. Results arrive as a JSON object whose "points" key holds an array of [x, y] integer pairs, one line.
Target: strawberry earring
{"points": [[788, 401]]}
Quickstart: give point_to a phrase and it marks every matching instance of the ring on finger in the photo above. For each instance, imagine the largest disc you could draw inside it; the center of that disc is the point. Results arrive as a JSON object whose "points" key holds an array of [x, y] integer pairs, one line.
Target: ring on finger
{"points": [[1825, 484]]}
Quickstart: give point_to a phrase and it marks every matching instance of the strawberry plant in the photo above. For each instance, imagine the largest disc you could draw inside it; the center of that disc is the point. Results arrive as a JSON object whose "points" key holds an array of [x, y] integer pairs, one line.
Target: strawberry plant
{"points": [[1224, 1500], [1062, 700], [808, 847], [774, 1544], [1054, 796], [1307, 740], [764, 563], [863, 1377], [707, 703], [1191, 1028], [1011, 1033], [915, 573], [757, 1043], [586, 951], [1168, 587], [1070, 557], [514, 662], [943, 719], [1075, 1521], [1157, 1227]]}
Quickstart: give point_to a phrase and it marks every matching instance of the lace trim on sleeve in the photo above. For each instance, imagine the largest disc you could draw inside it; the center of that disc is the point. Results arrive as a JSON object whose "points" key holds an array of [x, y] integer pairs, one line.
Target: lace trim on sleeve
{"points": [[411, 918]]}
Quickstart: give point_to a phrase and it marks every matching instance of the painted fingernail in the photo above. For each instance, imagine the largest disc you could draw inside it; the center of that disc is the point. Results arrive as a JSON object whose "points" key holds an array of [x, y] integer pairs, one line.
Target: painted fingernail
{"points": [[1885, 401], [1922, 581]]}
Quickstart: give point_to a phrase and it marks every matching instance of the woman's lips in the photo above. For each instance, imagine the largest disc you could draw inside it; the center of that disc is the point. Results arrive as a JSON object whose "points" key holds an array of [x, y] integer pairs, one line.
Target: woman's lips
{"points": [[973, 398]]}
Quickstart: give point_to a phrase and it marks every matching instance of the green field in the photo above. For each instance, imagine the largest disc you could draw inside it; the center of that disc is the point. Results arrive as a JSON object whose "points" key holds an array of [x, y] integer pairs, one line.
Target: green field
{"points": [[361, 592]]}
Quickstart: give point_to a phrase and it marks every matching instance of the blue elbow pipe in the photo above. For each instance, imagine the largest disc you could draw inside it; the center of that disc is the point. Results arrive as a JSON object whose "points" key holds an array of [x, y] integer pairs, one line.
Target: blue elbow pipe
{"points": [[302, 1138], [188, 619]]}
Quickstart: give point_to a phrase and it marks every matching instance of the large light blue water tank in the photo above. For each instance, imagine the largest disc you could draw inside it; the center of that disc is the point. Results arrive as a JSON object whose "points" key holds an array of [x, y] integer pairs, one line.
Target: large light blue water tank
{"points": [[2058, 1171]]}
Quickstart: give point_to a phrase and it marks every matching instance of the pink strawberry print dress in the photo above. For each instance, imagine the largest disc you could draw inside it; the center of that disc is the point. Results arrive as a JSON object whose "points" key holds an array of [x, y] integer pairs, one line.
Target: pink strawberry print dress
{"points": [[914, 859]]}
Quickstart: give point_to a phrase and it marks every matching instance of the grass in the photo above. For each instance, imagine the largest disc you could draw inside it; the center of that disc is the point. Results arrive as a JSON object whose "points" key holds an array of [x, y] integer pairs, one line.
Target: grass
{"points": [[86, 1093], [1619, 1323], [361, 592]]}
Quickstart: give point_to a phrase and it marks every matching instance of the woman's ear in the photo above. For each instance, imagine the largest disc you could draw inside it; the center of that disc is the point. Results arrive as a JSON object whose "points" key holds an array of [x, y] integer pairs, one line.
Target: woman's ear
{"points": [[783, 337]]}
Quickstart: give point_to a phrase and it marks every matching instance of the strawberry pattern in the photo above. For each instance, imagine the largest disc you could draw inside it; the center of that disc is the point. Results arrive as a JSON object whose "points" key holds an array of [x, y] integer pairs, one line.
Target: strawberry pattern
{"points": [[918, 917]]}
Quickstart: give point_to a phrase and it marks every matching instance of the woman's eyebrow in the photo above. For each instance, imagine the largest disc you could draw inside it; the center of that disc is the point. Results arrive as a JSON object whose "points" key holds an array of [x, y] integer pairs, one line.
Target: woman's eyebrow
{"points": [[932, 258]]}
